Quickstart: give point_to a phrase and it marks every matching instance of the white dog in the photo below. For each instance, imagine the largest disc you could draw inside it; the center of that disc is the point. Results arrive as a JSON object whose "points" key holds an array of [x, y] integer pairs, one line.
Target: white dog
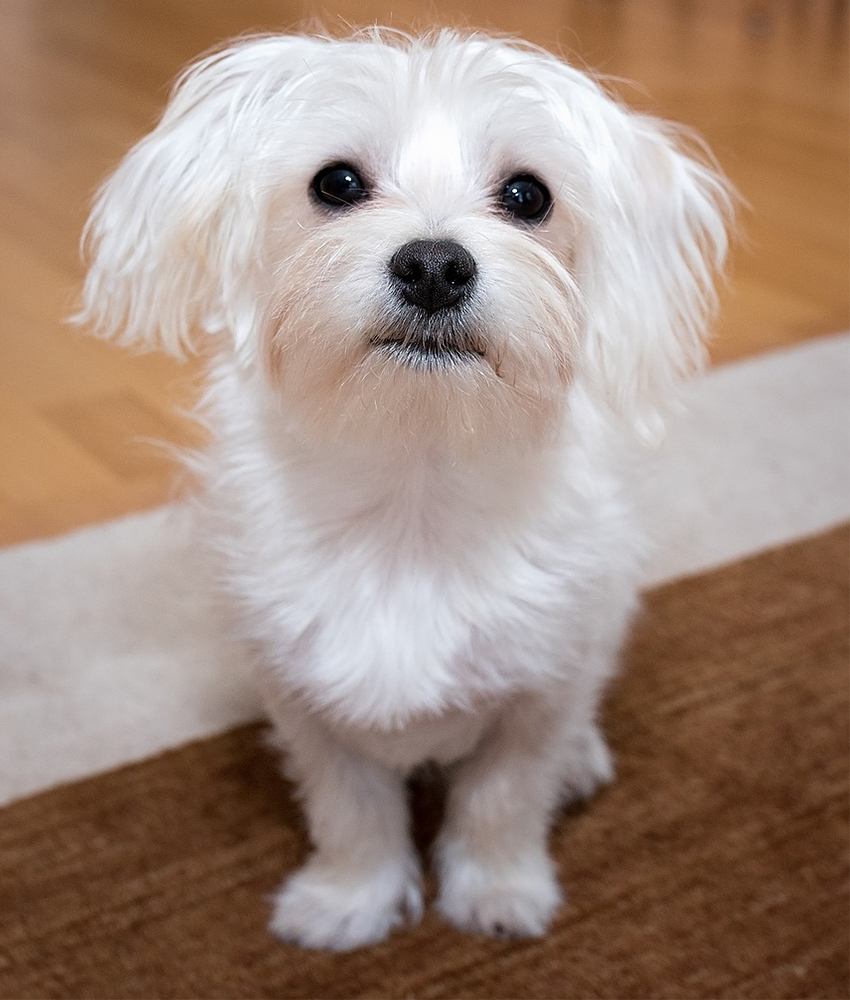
{"points": [[447, 283]]}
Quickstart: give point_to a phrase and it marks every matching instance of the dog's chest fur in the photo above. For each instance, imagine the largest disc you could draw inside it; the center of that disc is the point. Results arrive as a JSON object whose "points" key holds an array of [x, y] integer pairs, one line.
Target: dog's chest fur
{"points": [[387, 591]]}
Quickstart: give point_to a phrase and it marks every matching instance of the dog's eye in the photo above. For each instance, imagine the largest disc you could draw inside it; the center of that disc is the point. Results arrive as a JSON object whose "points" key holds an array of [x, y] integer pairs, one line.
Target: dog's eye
{"points": [[524, 197], [339, 186]]}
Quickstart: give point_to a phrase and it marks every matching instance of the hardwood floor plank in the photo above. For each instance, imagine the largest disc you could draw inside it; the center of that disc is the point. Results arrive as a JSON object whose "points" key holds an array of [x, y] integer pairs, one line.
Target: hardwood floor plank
{"points": [[40, 460]]}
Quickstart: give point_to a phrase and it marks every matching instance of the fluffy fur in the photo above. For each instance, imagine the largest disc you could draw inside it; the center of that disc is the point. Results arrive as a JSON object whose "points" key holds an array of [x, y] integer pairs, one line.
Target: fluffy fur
{"points": [[433, 559]]}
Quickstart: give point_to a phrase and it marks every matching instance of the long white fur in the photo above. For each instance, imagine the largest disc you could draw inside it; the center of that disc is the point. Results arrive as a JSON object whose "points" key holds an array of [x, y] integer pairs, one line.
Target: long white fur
{"points": [[431, 563]]}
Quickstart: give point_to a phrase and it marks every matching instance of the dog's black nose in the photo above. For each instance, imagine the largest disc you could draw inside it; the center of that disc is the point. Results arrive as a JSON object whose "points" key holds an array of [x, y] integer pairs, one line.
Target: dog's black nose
{"points": [[432, 274]]}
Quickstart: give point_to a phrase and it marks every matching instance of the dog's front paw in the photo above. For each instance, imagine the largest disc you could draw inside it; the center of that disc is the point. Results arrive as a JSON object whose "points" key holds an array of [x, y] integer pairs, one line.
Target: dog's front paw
{"points": [[324, 906], [503, 901]]}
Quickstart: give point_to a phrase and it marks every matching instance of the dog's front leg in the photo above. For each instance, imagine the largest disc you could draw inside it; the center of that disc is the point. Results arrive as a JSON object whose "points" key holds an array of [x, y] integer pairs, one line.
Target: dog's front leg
{"points": [[496, 876], [363, 878]]}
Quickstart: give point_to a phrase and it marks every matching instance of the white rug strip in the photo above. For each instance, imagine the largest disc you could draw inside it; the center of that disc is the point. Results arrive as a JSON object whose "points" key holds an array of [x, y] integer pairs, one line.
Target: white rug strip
{"points": [[109, 647], [761, 457]]}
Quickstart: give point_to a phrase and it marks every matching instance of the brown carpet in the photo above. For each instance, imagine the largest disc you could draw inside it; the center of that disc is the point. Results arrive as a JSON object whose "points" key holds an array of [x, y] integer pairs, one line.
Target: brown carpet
{"points": [[716, 866]]}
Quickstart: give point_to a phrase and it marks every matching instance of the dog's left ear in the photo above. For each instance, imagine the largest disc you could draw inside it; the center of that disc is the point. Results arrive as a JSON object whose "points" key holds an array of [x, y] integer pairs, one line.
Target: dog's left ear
{"points": [[175, 234], [653, 213], [656, 244]]}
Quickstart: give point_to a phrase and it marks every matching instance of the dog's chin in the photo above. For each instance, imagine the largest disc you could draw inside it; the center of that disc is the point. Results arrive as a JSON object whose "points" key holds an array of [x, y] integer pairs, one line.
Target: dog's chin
{"points": [[444, 383]]}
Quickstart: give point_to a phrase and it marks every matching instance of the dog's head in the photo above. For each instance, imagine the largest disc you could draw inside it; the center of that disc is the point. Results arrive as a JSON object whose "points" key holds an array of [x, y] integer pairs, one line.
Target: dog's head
{"points": [[412, 238]]}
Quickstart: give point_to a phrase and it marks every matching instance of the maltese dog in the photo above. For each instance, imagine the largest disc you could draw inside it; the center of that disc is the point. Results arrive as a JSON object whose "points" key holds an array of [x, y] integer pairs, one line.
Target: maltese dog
{"points": [[447, 286]]}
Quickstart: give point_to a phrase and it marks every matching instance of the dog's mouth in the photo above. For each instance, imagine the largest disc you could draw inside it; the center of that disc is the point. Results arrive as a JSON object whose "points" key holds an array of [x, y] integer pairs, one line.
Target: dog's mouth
{"points": [[426, 353], [429, 344]]}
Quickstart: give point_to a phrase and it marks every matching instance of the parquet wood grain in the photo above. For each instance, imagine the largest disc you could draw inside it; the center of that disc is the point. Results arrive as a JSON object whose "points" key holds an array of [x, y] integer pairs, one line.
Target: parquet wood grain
{"points": [[765, 83]]}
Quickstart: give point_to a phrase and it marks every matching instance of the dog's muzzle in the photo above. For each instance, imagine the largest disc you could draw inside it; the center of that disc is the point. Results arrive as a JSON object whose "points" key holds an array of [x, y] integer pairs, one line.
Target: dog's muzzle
{"points": [[431, 282]]}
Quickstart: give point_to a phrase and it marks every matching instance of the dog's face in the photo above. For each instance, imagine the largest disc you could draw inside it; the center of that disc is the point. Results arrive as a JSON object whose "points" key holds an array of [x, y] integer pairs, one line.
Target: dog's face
{"points": [[423, 240]]}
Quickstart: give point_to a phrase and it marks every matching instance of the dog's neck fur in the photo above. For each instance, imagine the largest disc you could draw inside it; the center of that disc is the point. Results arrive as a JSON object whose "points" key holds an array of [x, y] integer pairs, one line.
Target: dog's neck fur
{"points": [[386, 497]]}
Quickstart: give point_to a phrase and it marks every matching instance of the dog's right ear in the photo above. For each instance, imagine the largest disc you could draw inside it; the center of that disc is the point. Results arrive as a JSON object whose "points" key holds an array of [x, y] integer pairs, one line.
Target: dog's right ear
{"points": [[172, 241]]}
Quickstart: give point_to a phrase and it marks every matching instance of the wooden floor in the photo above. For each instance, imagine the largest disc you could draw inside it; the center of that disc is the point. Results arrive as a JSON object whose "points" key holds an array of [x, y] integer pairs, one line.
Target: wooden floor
{"points": [[80, 80]]}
